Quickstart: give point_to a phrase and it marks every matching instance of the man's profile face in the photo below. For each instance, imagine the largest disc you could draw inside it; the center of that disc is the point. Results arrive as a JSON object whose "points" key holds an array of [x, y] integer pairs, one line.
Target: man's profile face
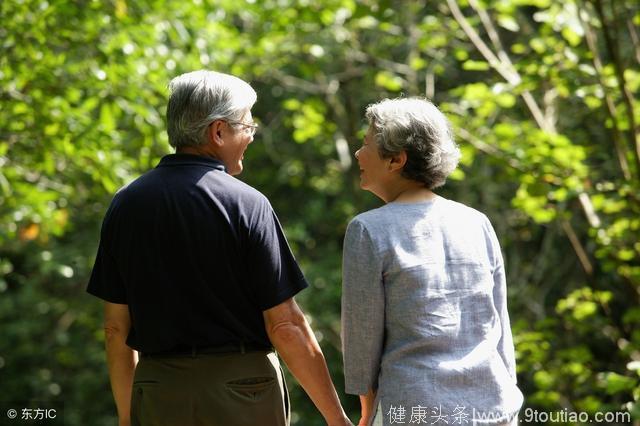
{"points": [[237, 138]]}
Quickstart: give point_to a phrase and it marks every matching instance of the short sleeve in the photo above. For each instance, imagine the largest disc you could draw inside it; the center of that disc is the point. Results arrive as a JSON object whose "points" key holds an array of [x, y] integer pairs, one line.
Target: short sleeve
{"points": [[273, 272], [362, 310], [106, 281]]}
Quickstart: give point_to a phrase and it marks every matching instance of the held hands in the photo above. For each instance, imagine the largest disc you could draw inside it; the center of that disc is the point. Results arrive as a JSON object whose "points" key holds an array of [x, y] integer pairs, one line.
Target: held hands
{"points": [[367, 409], [344, 422]]}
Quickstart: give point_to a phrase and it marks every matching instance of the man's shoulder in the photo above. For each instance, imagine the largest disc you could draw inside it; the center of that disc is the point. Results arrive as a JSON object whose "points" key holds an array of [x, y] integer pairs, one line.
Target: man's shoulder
{"points": [[233, 189], [214, 180], [229, 193], [134, 184]]}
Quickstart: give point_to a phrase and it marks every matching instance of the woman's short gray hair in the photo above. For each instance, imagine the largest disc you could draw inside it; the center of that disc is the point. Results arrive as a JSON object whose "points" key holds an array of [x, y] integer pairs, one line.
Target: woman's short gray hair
{"points": [[200, 97], [416, 126]]}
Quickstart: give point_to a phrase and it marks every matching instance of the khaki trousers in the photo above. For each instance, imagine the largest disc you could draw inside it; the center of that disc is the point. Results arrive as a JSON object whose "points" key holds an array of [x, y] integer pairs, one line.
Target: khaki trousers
{"points": [[210, 390]]}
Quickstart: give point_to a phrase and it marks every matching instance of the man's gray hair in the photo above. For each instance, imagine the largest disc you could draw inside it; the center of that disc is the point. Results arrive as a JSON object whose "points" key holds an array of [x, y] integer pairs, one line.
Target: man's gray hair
{"points": [[416, 126], [200, 97]]}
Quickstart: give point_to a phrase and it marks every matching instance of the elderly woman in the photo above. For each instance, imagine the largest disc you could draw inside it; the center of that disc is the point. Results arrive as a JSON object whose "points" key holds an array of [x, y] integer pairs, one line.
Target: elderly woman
{"points": [[426, 334]]}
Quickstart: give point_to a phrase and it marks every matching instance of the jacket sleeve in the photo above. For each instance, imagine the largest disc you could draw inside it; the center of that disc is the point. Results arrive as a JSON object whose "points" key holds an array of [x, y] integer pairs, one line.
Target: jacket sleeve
{"points": [[505, 345], [362, 310]]}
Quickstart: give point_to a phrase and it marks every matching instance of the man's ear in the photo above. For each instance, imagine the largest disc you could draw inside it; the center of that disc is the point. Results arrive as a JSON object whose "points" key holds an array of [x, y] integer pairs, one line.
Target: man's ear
{"points": [[214, 132], [397, 162]]}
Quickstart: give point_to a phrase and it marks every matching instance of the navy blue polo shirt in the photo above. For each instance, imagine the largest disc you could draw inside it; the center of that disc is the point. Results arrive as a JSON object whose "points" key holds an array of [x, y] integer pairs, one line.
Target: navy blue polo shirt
{"points": [[196, 254]]}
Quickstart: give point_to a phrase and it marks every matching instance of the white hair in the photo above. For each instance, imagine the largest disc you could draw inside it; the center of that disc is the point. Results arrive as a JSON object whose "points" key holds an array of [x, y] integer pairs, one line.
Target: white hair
{"points": [[200, 97], [416, 126]]}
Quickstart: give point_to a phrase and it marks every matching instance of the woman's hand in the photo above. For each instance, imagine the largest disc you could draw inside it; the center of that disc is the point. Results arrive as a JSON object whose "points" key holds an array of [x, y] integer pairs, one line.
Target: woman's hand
{"points": [[364, 421], [367, 410]]}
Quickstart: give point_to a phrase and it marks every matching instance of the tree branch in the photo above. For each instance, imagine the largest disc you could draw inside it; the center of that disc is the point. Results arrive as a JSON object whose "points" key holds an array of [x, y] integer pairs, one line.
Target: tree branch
{"points": [[505, 69], [620, 147], [297, 83], [397, 67], [634, 39], [481, 145], [412, 42], [430, 84], [577, 247], [487, 23], [512, 77], [612, 47]]}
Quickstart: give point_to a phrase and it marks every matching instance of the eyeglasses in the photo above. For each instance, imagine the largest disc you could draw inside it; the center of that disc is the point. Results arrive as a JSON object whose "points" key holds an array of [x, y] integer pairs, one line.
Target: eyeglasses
{"points": [[249, 128]]}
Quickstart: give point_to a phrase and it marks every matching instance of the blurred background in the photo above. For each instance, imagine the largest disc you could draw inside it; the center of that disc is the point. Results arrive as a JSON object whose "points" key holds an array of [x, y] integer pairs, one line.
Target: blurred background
{"points": [[542, 95]]}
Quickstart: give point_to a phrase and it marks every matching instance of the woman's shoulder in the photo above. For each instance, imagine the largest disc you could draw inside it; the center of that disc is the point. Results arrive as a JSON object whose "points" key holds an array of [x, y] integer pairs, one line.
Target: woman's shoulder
{"points": [[373, 218], [396, 218], [457, 211]]}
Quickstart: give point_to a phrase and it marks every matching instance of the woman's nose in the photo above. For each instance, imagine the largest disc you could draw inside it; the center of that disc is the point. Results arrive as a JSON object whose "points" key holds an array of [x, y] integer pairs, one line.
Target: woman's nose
{"points": [[356, 154]]}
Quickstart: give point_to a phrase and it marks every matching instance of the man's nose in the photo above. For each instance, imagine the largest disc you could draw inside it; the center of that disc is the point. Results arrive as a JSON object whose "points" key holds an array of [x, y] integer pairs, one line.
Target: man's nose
{"points": [[357, 154]]}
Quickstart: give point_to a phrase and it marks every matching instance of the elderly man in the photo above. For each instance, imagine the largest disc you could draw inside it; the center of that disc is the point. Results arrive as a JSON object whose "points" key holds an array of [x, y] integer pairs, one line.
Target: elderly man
{"points": [[198, 280]]}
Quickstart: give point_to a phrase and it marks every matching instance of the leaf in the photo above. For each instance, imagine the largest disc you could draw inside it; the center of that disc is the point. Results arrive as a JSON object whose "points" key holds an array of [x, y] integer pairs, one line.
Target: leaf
{"points": [[572, 37], [388, 81], [614, 383], [543, 379], [471, 65], [508, 22]]}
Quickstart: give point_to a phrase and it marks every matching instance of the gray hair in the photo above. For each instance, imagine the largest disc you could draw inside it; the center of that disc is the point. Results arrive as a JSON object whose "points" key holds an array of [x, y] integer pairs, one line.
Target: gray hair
{"points": [[416, 126], [200, 97]]}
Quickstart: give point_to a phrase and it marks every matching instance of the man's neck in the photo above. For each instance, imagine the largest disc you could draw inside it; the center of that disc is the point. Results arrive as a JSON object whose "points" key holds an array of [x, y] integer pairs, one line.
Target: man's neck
{"points": [[203, 151]]}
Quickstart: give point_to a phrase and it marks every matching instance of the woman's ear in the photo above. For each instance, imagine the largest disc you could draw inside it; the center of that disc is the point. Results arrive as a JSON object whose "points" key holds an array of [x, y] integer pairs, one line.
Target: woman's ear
{"points": [[397, 161], [214, 132]]}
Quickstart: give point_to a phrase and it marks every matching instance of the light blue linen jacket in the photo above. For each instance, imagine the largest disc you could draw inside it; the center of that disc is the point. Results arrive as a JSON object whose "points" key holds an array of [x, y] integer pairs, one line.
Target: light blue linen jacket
{"points": [[424, 315]]}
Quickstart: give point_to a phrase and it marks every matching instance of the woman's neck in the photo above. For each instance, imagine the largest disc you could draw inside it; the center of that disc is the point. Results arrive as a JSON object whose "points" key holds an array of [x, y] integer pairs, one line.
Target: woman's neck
{"points": [[409, 192]]}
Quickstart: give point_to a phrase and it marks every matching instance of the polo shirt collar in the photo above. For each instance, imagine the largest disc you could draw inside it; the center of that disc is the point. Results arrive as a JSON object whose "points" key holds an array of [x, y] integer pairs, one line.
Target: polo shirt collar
{"points": [[181, 159]]}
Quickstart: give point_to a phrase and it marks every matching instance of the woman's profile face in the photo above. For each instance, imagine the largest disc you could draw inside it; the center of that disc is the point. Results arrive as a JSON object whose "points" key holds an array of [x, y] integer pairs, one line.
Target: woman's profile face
{"points": [[373, 168]]}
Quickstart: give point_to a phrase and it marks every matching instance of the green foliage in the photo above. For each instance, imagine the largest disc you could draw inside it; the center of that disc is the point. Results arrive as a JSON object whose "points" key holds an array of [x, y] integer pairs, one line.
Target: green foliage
{"points": [[544, 121]]}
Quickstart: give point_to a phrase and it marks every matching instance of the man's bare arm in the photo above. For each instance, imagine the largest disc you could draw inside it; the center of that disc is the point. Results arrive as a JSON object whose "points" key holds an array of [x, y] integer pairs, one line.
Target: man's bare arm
{"points": [[296, 344], [121, 359]]}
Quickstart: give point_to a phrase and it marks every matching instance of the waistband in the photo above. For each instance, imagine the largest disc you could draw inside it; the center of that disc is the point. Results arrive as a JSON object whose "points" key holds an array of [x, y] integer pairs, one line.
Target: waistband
{"points": [[193, 351]]}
